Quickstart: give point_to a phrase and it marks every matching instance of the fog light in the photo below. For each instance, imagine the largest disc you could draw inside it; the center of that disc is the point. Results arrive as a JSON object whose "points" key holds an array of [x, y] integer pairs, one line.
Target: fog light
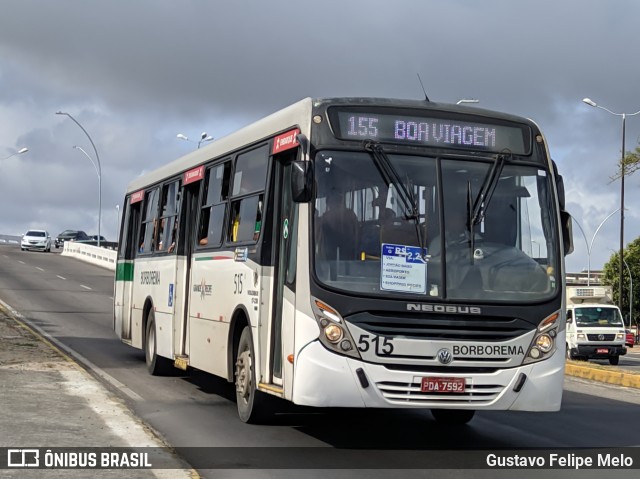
{"points": [[333, 333], [346, 345], [535, 353], [544, 343]]}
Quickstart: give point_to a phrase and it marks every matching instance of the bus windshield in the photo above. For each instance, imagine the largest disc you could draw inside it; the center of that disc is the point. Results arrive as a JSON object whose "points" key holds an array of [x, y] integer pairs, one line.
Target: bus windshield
{"points": [[597, 317], [367, 242]]}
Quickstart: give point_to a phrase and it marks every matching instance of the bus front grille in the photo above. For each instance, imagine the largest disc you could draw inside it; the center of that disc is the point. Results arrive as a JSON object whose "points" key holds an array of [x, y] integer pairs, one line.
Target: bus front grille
{"points": [[400, 392]]}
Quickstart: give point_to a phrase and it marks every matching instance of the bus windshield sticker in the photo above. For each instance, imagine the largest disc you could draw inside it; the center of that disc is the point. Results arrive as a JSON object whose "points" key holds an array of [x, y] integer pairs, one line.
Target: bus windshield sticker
{"points": [[403, 269]]}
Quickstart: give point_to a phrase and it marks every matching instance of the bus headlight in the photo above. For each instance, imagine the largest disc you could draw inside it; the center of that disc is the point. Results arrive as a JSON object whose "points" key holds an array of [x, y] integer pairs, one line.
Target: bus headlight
{"points": [[334, 334], [543, 344]]}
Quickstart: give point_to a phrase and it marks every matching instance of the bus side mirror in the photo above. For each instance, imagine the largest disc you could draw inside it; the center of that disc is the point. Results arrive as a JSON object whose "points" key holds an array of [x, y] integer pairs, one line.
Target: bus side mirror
{"points": [[301, 181], [567, 232]]}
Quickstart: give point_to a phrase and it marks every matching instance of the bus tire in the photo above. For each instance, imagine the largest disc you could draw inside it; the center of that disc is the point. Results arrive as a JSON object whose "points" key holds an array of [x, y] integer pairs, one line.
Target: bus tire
{"points": [[252, 404], [453, 417], [614, 360], [156, 365]]}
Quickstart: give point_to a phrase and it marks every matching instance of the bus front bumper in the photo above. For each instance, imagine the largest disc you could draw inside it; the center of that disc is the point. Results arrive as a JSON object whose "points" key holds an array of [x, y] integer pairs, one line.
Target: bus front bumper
{"points": [[325, 379], [602, 351]]}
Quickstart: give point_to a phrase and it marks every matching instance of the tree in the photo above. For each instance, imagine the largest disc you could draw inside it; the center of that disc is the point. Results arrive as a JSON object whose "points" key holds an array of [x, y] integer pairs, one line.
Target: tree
{"points": [[610, 276], [631, 164]]}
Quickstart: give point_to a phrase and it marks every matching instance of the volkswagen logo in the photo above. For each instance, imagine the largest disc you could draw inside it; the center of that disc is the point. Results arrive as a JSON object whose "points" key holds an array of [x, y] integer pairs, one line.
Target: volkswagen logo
{"points": [[600, 337], [444, 356]]}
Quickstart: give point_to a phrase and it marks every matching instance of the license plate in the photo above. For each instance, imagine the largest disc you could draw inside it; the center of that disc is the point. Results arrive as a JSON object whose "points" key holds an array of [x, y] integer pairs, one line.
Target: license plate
{"points": [[443, 385], [602, 351]]}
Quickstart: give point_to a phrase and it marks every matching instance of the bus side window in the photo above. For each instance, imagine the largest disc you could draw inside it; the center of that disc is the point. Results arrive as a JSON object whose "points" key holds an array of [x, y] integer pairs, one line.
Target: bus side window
{"points": [[249, 178], [149, 222], [169, 219], [246, 219], [214, 206]]}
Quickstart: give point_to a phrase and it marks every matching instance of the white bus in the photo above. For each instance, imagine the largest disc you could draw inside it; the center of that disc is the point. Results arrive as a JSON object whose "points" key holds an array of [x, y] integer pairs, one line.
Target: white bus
{"points": [[355, 252]]}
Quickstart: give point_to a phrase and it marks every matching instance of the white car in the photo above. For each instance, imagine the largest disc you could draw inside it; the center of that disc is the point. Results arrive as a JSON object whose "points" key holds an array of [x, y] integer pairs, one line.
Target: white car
{"points": [[36, 239]]}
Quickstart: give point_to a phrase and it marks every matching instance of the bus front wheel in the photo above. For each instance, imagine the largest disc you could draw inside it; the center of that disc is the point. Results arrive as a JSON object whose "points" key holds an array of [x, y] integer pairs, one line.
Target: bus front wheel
{"points": [[157, 365], [252, 407], [453, 417]]}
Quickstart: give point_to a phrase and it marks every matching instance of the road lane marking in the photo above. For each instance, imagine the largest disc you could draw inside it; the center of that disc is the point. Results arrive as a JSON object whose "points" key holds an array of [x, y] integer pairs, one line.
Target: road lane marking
{"points": [[61, 277], [38, 267], [85, 287], [21, 262]]}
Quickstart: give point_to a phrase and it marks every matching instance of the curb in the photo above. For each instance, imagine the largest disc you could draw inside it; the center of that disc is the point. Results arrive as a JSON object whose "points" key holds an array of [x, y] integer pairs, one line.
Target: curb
{"points": [[96, 374], [603, 375]]}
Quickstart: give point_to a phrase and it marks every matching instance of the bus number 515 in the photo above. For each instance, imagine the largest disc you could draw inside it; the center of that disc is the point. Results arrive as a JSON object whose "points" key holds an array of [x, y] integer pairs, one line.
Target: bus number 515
{"points": [[382, 346]]}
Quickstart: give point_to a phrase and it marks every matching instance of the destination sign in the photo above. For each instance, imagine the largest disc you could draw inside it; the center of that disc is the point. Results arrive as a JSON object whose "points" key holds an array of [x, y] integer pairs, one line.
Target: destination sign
{"points": [[432, 132]]}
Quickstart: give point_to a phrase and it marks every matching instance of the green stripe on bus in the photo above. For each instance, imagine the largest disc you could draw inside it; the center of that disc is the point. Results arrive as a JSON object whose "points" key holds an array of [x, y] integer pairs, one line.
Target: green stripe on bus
{"points": [[124, 271]]}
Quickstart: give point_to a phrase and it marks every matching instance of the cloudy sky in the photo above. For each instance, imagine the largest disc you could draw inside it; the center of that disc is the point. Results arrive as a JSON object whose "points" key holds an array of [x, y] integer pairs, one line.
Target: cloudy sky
{"points": [[135, 73]]}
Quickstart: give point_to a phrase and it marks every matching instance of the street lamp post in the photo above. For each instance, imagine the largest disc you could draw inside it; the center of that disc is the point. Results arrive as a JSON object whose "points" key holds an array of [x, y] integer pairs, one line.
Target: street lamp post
{"points": [[118, 223], [630, 293], [98, 168], [590, 245], [99, 172], [19, 152], [203, 137], [624, 118], [630, 290]]}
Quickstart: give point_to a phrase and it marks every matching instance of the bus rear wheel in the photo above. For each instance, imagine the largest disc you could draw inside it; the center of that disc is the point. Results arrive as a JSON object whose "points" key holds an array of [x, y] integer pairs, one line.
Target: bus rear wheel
{"points": [[453, 417], [252, 404], [156, 365]]}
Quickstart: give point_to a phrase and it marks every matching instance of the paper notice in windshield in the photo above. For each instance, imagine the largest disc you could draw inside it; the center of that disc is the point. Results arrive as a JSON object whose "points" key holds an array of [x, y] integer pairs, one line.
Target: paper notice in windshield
{"points": [[403, 269]]}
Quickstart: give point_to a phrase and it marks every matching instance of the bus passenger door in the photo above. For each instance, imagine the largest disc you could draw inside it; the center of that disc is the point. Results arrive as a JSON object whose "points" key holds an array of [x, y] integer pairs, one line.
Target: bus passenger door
{"points": [[124, 269], [284, 298], [186, 245]]}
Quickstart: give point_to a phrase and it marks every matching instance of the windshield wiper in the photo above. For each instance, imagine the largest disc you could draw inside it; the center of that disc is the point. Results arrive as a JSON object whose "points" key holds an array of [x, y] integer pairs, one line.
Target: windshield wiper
{"points": [[481, 204], [391, 177]]}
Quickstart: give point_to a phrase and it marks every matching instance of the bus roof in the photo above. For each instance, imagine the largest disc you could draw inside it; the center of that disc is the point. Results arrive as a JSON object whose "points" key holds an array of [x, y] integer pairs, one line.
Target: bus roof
{"points": [[297, 114]]}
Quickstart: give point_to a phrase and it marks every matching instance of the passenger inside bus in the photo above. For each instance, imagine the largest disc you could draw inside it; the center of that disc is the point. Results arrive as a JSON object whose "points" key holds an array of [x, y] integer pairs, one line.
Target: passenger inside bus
{"points": [[338, 227]]}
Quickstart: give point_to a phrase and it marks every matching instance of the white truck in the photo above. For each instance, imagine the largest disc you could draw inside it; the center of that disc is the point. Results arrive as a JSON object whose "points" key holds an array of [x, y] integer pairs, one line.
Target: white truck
{"points": [[595, 329]]}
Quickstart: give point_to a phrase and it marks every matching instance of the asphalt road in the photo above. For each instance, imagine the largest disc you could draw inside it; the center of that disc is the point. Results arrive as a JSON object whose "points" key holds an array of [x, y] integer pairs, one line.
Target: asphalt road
{"points": [[72, 301]]}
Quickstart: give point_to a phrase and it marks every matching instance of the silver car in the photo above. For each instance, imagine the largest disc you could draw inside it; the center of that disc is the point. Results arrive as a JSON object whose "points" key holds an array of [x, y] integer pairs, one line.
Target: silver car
{"points": [[36, 239]]}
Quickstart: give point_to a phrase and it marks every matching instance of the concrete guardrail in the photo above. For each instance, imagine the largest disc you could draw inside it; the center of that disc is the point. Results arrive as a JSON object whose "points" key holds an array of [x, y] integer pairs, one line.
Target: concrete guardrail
{"points": [[106, 258]]}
